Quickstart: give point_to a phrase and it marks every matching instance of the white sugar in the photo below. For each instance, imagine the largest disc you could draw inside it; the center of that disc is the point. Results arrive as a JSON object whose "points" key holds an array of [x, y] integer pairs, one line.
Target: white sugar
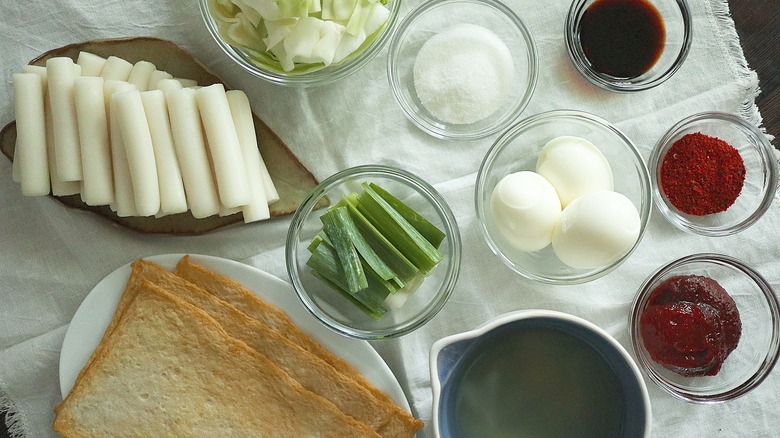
{"points": [[463, 75]]}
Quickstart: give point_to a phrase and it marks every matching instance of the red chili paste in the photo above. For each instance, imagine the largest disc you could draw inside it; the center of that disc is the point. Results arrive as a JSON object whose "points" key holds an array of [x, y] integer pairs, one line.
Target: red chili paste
{"points": [[690, 325]]}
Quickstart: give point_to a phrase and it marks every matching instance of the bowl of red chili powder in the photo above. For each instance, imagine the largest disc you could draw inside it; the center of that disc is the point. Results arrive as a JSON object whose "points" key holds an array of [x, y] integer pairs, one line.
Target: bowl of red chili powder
{"points": [[713, 174], [706, 328]]}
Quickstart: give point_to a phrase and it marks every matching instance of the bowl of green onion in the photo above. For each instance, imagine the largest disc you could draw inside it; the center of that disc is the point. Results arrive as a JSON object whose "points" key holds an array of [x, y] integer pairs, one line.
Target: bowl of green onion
{"points": [[373, 252]]}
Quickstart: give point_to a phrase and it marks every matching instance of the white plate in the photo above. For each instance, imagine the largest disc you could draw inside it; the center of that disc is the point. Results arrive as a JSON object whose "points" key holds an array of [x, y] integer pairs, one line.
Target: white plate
{"points": [[95, 313]]}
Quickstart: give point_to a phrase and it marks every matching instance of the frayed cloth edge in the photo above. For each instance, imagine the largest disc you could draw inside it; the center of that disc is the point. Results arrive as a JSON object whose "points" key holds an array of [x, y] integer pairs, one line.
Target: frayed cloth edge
{"points": [[13, 418], [729, 39]]}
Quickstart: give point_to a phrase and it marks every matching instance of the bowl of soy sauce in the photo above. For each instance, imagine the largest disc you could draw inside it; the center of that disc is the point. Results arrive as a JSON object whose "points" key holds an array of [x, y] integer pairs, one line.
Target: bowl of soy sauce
{"points": [[628, 45]]}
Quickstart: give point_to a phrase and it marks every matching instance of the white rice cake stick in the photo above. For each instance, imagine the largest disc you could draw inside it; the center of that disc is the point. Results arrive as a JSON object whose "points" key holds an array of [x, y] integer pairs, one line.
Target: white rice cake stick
{"points": [[139, 150], [257, 209], [172, 197], [228, 211], [224, 148], [31, 134], [190, 146], [15, 165], [156, 77], [58, 186], [187, 83], [140, 74], [91, 64], [245, 127], [166, 85], [116, 69], [60, 74], [98, 182], [124, 200]]}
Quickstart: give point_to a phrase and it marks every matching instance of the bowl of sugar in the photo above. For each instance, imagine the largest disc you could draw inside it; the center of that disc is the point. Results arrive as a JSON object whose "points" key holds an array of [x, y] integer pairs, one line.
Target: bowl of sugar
{"points": [[462, 69]]}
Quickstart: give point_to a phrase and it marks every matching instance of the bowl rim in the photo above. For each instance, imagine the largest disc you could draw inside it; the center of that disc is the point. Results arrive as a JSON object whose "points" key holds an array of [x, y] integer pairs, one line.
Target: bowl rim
{"points": [[453, 242], [764, 149], [645, 210], [526, 314], [622, 85], [645, 363], [532, 60], [322, 76]]}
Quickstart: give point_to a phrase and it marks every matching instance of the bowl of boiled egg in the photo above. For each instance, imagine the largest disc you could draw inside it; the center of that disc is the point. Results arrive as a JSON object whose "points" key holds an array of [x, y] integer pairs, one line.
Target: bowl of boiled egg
{"points": [[300, 43], [563, 197]]}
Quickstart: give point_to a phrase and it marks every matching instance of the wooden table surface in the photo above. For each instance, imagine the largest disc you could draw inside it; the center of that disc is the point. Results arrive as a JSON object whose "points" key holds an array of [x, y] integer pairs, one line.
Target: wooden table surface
{"points": [[758, 26]]}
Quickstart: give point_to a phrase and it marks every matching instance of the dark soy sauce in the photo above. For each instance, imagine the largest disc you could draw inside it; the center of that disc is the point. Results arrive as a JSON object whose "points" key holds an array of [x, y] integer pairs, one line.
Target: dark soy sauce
{"points": [[622, 38]]}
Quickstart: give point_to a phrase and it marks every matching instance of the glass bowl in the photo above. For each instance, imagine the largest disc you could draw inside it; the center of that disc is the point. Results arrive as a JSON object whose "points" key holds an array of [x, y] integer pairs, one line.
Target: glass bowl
{"points": [[677, 21], [759, 344], [260, 64], [434, 17], [518, 149], [335, 311], [761, 174]]}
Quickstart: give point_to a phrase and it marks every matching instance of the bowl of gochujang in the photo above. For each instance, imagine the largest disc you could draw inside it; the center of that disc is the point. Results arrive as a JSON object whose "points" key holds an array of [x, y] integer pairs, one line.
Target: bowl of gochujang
{"points": [[706, 328], [713, 174], [628, 45]]}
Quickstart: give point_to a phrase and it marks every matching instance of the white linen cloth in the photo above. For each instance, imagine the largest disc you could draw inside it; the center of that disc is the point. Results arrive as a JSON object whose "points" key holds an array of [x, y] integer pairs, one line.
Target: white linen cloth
{"points": [[52, 256]]}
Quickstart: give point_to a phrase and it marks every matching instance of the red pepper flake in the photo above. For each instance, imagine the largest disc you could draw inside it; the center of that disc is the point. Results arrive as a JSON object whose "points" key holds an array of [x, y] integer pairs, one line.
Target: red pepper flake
{"points": [[702, 175]]}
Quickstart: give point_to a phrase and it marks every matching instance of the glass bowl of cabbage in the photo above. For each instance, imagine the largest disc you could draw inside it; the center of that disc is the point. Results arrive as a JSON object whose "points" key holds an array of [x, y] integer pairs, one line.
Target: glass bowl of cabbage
{"points": [[298, 42]]}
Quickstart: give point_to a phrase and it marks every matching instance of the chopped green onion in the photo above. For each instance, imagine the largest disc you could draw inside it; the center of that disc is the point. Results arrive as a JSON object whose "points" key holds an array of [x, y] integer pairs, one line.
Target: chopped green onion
{"points": [[403, 268], [334, 221], [362, 246], [374, 250], [428, 230], [391, 287], [324, 261], [373, 313], [398, 230]]}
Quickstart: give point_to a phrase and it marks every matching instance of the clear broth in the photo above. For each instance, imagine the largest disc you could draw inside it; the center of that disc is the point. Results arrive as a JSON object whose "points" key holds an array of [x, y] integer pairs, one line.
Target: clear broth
{"points": [[536, 382]]}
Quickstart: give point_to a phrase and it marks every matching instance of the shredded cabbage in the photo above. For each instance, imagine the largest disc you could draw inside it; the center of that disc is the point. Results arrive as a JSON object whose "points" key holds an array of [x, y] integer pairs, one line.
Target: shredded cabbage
{"points": [[298, 34]]}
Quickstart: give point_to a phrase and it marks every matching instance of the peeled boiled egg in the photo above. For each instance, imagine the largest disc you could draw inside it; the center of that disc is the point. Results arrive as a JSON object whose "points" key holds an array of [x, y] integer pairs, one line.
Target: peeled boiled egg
{"points": [[595, 230], [574, 166], [525, 208]]}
